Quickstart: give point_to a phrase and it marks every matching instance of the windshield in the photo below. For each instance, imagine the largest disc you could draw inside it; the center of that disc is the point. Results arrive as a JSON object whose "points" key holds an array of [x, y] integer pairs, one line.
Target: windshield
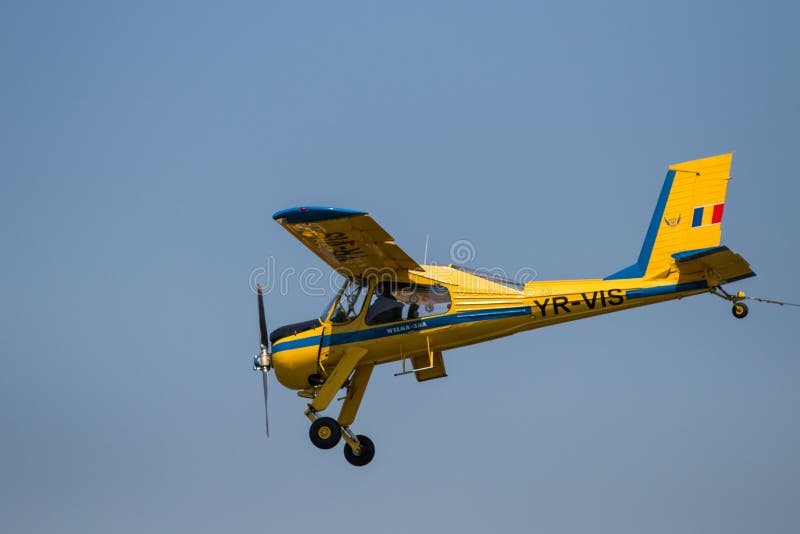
{"points": [[348, 302]]}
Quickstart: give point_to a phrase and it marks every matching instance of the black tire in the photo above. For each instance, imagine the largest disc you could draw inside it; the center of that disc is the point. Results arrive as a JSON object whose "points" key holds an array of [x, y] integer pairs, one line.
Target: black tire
{"points": [[366, 455], [325, 432], [739, 310]]}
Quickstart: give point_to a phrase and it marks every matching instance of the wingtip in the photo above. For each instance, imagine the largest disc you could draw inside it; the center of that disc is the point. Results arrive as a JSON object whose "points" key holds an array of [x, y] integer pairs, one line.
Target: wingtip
{"points": [[314, 213]]}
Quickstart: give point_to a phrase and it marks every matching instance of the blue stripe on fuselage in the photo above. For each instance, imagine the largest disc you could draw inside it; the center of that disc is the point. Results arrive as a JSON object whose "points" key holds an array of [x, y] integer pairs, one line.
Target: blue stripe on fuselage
{"points": [[665, 290], [403, 328]]}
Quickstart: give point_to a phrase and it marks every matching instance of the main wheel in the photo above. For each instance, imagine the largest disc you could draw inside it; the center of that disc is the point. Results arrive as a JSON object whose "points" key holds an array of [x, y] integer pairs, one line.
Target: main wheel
{"points": [[739, 310], [325, 432], [365, 455]]}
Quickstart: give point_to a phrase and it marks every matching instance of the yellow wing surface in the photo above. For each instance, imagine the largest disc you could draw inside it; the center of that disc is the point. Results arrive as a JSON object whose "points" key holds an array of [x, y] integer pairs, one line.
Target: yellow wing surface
{"points": [[349, 241]]}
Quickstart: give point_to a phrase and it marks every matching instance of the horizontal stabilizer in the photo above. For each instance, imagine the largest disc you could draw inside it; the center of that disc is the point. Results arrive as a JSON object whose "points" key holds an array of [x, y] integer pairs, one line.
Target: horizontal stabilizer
{"points": [[719, 263]]}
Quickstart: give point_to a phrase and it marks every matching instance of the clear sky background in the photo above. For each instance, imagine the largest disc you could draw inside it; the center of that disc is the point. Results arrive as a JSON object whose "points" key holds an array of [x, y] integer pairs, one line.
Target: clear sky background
{"points": [[145, 146]]}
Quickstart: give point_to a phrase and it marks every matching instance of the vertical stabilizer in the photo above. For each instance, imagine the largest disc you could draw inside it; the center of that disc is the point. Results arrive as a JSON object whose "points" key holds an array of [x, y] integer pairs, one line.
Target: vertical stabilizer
{"points": [[688, 215]]}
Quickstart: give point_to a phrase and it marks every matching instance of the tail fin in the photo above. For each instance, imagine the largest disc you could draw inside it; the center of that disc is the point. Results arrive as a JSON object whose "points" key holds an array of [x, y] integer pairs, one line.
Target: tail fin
{"points": [[687, 217]]}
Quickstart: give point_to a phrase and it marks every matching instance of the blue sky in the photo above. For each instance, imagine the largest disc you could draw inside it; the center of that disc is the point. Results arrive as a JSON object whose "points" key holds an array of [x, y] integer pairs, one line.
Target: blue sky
{"points": [[146, 145]]}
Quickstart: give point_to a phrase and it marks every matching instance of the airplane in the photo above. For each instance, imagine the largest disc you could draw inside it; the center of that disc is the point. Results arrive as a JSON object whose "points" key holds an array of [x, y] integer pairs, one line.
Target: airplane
{"points": [[392, 309]]}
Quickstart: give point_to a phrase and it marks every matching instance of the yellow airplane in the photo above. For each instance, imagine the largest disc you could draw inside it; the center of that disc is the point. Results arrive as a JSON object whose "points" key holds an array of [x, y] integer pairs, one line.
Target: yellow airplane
{"points": [[392, 309]]}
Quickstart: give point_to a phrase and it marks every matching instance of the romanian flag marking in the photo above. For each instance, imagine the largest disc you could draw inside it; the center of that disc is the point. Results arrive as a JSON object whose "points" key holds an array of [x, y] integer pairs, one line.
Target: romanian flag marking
{"points": [[707, 215]]}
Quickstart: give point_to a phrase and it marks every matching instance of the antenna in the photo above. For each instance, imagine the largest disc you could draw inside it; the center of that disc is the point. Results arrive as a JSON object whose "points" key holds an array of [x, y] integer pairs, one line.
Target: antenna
{"points": [[425, 258]]}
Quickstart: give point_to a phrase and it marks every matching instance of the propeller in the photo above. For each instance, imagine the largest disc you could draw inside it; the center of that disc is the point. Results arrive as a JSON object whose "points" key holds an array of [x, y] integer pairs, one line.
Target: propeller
{"points": [[262, 362]]}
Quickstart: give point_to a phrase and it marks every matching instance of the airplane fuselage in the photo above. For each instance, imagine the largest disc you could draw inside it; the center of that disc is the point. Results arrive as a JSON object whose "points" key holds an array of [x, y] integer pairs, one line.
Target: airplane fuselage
{"points": [[481, 310]]}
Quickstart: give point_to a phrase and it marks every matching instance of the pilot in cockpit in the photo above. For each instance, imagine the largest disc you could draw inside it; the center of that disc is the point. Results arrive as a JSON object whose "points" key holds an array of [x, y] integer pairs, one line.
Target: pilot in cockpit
{"points": [[384, 307]]}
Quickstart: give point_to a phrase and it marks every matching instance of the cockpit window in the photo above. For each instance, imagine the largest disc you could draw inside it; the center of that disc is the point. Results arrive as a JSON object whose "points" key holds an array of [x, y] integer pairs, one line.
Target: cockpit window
{"points": [[392, 302], [349, 302]]}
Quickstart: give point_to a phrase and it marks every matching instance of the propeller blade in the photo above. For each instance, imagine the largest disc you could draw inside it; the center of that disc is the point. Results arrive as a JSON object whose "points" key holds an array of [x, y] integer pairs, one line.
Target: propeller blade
{"points": [[266, 406], [263, 359], [262, 320]]}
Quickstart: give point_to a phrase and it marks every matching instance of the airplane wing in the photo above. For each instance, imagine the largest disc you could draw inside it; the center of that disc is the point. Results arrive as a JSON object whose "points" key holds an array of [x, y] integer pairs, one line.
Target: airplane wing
{"points": [[349, 241], [724, 263]]}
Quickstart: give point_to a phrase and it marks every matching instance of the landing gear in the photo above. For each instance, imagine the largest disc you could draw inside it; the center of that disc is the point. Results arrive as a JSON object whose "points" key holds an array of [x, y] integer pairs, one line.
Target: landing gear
{"points": [[739, 310], [325, 432], [366, 452]]}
